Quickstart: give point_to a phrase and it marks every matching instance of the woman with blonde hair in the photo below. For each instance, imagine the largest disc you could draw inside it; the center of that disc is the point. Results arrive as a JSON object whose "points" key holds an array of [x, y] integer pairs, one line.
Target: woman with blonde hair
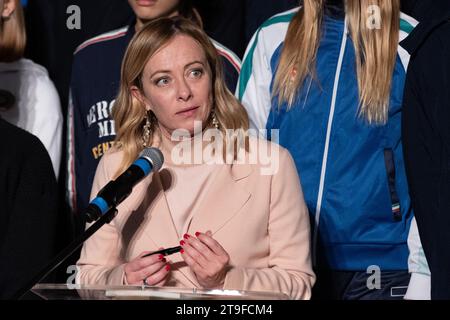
{"points": [[33, 103], [239, 229], [329, 75]]}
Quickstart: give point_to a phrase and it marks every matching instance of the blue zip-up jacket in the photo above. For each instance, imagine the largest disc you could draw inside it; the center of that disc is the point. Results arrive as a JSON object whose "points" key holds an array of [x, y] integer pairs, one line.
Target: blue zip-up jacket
{"points": [[352, 173], [94, 86]]}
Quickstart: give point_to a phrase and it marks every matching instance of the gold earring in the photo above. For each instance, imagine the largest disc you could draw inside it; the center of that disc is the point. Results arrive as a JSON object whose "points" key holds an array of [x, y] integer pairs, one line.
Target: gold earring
{"points": [[215, 122], [147, 130]]}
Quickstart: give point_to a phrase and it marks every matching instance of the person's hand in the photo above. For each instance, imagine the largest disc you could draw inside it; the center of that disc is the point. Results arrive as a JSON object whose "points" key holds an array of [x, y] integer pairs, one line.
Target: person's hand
{"points": [[152, 270], [206, 258]]}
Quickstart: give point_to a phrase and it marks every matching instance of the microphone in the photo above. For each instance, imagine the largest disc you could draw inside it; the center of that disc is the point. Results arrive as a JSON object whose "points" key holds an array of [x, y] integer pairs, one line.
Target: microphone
{"points": [[103, 208], [150, 159]]}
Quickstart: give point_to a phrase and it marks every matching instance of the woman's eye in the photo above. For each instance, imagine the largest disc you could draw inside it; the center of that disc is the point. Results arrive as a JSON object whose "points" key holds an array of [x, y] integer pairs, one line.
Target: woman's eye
{"points": [[197, 73], [162, 82]]}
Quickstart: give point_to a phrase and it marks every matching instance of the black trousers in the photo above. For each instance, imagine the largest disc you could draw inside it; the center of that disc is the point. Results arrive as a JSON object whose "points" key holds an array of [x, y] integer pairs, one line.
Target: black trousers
{"points": [[360, 285]]}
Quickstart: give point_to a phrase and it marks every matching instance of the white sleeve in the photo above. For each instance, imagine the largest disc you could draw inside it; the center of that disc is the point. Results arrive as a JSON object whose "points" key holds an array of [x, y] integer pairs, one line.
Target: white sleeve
{"points": [[419, 287], [254, 82], [47, 120]]}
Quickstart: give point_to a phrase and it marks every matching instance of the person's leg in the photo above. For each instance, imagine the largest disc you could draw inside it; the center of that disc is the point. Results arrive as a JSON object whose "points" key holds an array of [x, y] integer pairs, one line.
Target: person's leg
{"points": [[392, 286], [351, 285]]}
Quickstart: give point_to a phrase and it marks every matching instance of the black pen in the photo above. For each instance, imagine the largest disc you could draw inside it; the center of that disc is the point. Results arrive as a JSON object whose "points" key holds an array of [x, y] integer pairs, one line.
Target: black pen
{"points": [[164, 252]]}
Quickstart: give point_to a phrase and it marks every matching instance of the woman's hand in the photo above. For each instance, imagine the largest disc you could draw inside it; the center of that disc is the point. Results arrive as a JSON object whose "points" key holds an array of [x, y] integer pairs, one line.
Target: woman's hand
{"points": [[206, 258], [152, 270]]}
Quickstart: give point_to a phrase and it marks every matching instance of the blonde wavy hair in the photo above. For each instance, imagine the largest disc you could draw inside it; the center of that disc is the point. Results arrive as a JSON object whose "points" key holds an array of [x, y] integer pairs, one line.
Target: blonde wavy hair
{"points": [[376, 53], [12, 35], [130, 114]]}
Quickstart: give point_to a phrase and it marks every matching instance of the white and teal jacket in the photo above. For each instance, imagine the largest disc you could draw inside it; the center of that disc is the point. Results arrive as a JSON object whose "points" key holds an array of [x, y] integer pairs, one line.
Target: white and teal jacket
{"points": [[352, 173], [419, 287]]}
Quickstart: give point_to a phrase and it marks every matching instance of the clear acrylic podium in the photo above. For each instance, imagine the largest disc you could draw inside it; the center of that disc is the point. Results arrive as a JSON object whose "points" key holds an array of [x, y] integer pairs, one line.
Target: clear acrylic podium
{"points": [[64, 292]]}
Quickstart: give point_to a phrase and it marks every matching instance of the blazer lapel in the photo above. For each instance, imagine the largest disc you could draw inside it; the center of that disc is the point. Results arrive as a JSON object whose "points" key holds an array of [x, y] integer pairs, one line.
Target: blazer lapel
{"points": [[224, 200]]}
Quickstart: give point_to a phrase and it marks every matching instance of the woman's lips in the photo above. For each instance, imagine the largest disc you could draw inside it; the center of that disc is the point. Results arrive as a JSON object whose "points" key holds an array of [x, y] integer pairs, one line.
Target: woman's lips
{"points": [[188, 112], [146, 3]]}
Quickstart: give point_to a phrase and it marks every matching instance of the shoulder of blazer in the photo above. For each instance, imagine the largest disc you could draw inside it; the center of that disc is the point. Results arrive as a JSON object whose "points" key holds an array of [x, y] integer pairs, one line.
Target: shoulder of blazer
{"points": [[273, 154]]}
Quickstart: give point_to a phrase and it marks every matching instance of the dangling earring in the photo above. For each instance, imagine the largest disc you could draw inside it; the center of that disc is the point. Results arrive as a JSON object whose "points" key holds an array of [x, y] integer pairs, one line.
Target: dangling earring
{"points": [[147, 130], [215, 122]]}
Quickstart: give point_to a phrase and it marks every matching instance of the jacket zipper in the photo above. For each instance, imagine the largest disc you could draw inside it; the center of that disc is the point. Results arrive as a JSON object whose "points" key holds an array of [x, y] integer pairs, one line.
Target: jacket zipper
{"points": [[327, 142]]}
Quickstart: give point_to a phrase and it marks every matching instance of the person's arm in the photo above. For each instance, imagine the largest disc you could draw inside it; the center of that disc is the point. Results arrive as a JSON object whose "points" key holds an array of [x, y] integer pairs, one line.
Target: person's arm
{"points": [[70, 166], [48, 119], [290, 270], [419, 287], [253, 88], [76, 140], [231, 65], [426, 143], [440, 286], [29, 242]]}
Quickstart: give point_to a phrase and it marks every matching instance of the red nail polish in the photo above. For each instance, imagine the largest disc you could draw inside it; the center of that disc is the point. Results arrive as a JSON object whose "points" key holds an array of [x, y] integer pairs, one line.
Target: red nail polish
{"points": [[186, 236], [182, 242], [182, 251], [161, 257], [197, 234], [168, 267]]}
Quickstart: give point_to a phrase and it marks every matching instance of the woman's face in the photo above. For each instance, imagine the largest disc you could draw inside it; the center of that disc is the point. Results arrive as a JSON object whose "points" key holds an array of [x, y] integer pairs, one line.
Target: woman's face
{"points": [[152, 9], [177, 85], [146, 10], [7, 7]]}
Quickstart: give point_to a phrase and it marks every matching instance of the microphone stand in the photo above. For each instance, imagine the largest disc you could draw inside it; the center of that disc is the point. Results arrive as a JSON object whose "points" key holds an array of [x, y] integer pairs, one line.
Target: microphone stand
{"points": [[63, 255]]}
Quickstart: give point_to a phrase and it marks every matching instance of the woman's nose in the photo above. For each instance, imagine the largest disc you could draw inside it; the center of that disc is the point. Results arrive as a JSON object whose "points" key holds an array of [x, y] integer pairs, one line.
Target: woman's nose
{"points": [[184, 91]]}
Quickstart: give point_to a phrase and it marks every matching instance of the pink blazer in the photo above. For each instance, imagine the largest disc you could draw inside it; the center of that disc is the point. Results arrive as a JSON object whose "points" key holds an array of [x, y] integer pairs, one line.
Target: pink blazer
{"points": [[260, 220]]}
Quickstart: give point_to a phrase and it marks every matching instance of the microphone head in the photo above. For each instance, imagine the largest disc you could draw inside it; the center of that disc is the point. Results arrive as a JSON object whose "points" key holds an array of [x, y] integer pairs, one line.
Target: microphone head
{"points": [[153, 155]]}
